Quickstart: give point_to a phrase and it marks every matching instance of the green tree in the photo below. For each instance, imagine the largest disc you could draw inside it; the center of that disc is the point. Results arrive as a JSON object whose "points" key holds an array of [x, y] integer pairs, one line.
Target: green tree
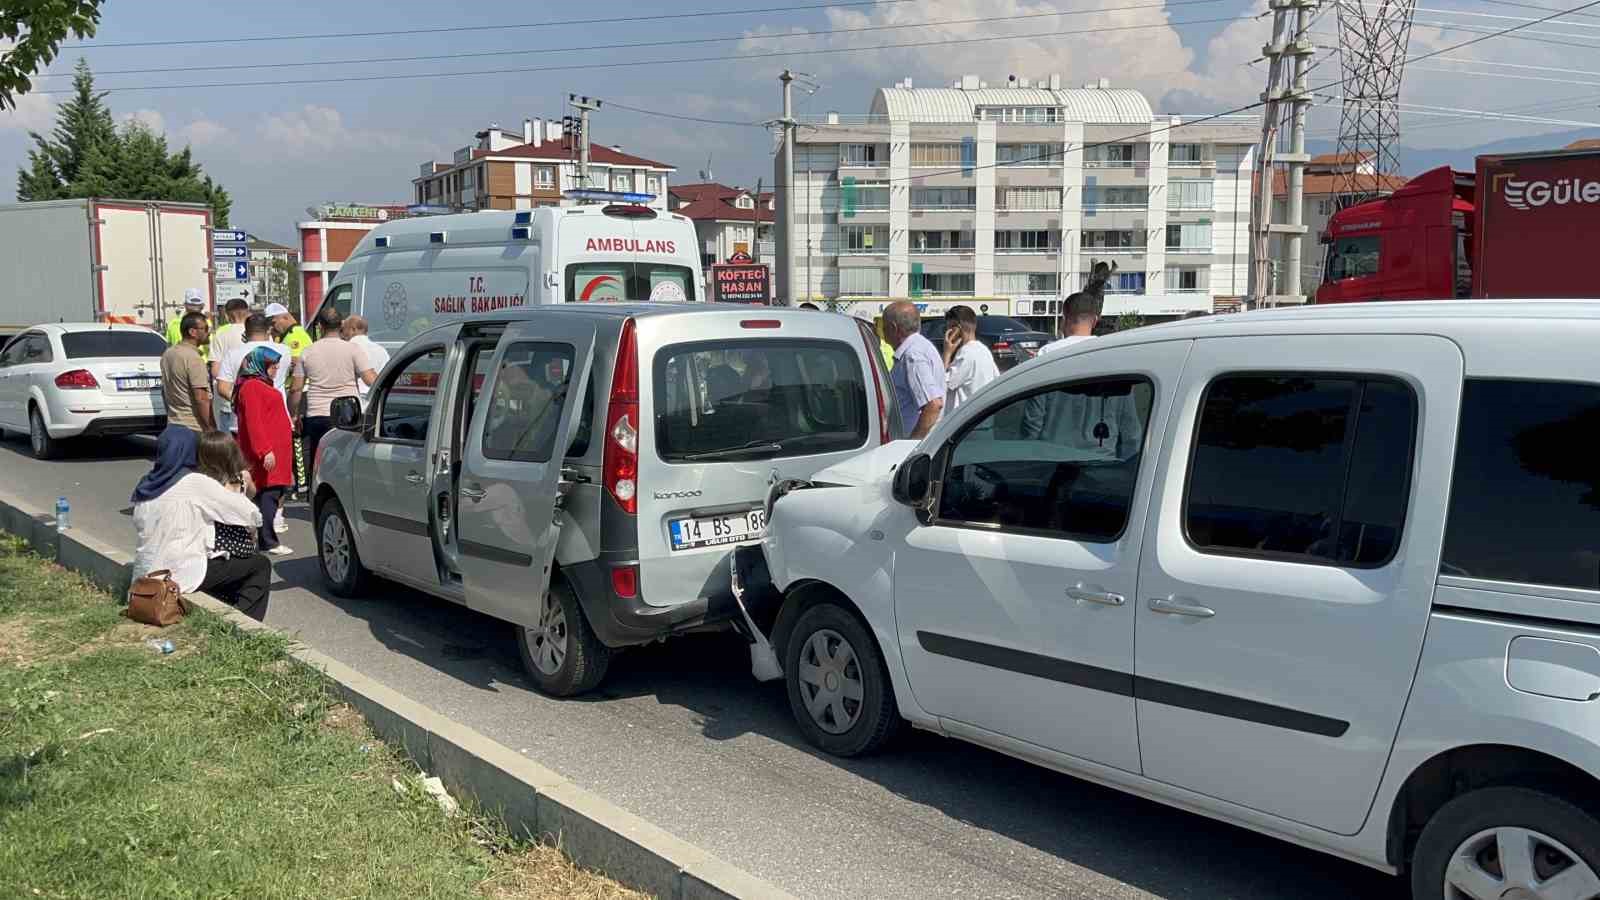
{"points": [[86, 156], [1129, 320], [286, 281], [35, 30]]}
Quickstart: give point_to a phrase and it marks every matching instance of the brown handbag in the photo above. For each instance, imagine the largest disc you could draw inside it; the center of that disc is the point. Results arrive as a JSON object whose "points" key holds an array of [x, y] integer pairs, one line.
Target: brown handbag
{"points": [[156, 600]]}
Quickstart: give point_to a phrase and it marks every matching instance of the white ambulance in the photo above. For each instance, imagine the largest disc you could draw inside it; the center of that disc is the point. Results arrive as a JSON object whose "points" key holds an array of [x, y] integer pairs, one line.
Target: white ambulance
{"points": [[409, 275]]}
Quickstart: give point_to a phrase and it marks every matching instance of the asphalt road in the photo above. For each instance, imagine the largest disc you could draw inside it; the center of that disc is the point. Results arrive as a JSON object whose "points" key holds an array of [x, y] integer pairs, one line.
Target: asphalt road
{"points": [[683, 736]]}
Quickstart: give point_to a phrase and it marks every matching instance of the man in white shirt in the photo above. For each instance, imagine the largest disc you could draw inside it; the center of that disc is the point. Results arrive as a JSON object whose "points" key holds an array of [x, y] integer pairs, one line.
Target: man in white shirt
{"points": [[968, 362], [354, 330], [1082, 314]]}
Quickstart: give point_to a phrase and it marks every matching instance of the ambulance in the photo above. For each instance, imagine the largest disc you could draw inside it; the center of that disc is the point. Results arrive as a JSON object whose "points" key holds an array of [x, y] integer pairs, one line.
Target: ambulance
{"points": [[410, 275]]}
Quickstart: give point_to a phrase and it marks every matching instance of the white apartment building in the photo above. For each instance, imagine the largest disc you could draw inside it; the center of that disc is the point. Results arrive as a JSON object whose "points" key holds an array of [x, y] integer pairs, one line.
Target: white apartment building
{"points": [[1004, 197]]}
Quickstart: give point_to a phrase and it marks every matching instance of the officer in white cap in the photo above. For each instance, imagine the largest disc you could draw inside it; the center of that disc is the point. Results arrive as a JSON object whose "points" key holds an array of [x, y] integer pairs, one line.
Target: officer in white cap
{"points": [[194, 300]]}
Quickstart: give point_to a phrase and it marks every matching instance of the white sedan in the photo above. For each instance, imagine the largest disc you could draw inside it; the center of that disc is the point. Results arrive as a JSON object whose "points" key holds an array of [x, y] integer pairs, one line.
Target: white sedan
{"points": [[81, 380]]}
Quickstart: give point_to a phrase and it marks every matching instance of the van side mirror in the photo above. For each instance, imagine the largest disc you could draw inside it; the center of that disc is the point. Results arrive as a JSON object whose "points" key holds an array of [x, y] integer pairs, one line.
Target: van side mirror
{"points": [[911, 480], [346, 413]]}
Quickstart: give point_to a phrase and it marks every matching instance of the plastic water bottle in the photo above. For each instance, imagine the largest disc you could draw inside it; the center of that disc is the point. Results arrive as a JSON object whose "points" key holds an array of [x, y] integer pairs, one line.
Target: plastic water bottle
{"points": [[162, 646], [63, 514]]}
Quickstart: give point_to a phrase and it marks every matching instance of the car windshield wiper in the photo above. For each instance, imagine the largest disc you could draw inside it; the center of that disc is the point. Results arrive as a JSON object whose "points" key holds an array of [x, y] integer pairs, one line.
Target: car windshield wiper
{"points": [[751, 447]]}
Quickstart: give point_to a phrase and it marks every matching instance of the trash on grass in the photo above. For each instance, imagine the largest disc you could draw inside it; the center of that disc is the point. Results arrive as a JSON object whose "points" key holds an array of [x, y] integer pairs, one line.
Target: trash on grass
{"points": [[162, 646]]}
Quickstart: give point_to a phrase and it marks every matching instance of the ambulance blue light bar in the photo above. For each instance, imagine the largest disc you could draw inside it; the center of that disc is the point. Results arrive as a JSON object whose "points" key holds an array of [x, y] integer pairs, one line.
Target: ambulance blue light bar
{"points": [[595, 196]]}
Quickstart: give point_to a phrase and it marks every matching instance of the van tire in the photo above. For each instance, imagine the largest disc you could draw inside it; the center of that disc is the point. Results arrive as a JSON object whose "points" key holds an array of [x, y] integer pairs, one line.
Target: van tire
{"points": [[582, 664], [871, 722], [335, 536], [1468, 816]]}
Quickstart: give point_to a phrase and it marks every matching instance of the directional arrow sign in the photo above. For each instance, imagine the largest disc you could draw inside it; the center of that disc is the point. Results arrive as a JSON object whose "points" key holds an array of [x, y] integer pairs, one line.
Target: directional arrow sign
{"points": [[227, 236], [241, 270], [233, 251]]}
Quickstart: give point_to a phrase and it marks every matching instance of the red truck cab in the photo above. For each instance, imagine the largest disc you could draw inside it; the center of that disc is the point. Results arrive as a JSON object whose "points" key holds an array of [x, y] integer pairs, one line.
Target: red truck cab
{"points": [[1521, 227], [1415, 244]]}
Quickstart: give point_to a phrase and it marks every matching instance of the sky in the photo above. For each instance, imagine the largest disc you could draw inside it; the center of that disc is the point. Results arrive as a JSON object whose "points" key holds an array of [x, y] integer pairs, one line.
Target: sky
{"points": [[340, 128]]}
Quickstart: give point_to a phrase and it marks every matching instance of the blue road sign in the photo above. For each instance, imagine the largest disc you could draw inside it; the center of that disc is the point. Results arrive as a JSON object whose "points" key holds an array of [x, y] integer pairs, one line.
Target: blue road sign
{"points": [[241, 270], [228, 236], [230, 251]]}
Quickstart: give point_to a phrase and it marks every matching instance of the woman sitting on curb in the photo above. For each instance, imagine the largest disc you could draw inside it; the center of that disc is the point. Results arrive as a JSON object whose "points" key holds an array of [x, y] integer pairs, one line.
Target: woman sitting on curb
{"points": [[175, 513]]}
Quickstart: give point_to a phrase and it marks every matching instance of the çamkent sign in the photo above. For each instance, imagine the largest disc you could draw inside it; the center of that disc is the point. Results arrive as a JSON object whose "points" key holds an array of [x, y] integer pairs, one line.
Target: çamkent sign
{"points": [[739, 283], [361, 213]]}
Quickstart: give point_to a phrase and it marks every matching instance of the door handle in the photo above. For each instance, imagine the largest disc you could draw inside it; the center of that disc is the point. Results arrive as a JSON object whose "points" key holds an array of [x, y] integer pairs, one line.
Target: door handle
{"points": [[1175, 607], [474, 493], [1105, 598], [414, 478]]}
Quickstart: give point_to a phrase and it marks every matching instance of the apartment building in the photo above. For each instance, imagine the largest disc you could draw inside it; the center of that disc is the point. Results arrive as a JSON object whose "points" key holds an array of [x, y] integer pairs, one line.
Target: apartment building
{"points": [[510, 170], [1005, 196]]}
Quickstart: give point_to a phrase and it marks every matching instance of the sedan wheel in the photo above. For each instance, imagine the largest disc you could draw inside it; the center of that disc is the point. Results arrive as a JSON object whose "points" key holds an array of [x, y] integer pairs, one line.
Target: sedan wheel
{"points": [[39, 440]]}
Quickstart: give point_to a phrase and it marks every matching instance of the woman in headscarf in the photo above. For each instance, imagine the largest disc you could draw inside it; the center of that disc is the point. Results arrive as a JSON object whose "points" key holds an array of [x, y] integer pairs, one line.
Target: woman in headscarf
{"points": [[265, 437], [175, 513]]}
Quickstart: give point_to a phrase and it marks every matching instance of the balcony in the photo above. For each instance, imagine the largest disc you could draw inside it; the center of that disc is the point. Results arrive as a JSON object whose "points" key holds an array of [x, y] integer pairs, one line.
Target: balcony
{"points": [[1026, 251], [1115, 163], [864, 251], [1186, 251], [1114, 251]]}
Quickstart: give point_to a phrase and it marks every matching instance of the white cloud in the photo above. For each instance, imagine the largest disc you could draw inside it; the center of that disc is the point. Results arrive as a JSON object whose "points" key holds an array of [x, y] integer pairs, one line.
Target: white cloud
{"points": [[34, 112], [204, 133], [149, 118], [315, 129]]}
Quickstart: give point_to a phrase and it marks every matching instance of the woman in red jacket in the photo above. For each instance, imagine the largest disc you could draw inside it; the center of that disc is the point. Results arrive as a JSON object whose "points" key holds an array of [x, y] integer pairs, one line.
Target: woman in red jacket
{"points": [[265, 437]]}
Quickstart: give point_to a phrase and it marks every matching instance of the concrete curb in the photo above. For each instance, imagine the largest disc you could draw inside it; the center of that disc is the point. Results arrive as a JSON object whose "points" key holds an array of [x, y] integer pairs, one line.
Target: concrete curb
{"points": [[532, 800]]}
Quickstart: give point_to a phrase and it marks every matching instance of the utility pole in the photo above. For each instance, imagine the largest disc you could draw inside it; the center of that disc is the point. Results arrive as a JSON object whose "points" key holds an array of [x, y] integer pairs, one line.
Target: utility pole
{"points": [[1290, 22], [584, 106], [787, 78]]}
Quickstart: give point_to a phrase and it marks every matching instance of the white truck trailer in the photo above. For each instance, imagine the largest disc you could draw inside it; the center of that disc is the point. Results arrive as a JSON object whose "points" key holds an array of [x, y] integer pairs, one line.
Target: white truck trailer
{"points": [[94, 260]]}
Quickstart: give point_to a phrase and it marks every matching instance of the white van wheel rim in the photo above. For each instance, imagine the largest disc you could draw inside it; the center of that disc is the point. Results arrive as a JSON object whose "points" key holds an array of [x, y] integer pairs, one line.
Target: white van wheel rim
{"points": [[830, 681], [335, 548], [548, 639], [1517, 864]]}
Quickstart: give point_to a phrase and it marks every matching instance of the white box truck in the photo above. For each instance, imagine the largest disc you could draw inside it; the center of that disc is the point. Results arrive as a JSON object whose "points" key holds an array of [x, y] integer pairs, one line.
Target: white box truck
{"points": [[94, 260]]}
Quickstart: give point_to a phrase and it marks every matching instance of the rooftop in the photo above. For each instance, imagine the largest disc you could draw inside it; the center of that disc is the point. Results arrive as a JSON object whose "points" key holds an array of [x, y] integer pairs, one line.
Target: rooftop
{"points": [[1096, 105], [709, 201]]}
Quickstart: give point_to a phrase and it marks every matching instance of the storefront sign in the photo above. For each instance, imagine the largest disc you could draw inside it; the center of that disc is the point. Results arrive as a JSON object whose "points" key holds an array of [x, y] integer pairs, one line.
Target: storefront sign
{"points": [[740, 284]]}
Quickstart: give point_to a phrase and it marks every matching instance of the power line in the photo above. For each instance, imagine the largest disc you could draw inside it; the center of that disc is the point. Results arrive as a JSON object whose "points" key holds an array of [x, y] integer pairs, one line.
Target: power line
{"points": [[458, 29], [821, 51], [1515, 77], [1482, 15], [1535, 6], [682, 118], [523, 51]]}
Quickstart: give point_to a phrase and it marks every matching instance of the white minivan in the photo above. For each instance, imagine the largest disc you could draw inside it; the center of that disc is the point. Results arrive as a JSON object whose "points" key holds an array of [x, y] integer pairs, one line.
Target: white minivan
{"points": [[410, 275], [1331, 574]]}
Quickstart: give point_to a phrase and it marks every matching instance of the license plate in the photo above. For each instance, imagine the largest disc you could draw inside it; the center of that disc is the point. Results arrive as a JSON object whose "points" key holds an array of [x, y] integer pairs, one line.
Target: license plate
{"points": [[1028, 345], [139, 383], [710, 531]]}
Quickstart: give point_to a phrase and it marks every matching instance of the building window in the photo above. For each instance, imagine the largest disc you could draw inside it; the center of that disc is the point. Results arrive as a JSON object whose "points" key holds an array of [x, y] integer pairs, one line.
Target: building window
{"points": [[1022, 115], [1115, 197], [1303, 467], [622, 181], [1121, 283], [1112, 240], [948, 283], [864, 282], [1183, 280], [1109, 156], [864, 239], [1037, 155], [1028, 198], [1195, 238], [944, 198], [1189, 194], [1038, 241], [1020, 283], [941, 241], [863, 155], [924, 156], [855, 196], [544, 177], [1184, 155]]}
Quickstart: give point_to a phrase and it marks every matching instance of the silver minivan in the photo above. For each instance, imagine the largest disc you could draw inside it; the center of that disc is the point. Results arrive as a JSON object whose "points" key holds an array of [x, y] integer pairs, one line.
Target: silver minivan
{"points": [[585, 471]]}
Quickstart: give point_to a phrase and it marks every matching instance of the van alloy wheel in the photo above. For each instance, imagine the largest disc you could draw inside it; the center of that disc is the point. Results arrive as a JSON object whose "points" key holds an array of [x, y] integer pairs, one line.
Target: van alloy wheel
{"points": [[1517, 864], [335, 548], [830, 681], [548, 639]]}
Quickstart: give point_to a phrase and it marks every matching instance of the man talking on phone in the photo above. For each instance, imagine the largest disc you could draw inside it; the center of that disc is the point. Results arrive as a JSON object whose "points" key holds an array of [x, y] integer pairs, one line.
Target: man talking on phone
{"points": [[968, 363]]}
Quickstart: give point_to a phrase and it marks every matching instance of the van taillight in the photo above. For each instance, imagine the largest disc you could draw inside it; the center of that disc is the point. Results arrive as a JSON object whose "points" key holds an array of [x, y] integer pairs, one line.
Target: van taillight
{"points": [[621, 459], [870, 339]]}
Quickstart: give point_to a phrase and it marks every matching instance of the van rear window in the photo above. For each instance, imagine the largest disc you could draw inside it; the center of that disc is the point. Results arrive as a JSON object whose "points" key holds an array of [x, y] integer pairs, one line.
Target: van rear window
{"points": [[598, 282], [758, 399]]}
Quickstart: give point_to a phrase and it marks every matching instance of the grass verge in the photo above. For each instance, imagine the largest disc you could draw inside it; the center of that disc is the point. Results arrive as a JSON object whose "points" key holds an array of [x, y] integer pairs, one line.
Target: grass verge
{"points": [[225, 769]]}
